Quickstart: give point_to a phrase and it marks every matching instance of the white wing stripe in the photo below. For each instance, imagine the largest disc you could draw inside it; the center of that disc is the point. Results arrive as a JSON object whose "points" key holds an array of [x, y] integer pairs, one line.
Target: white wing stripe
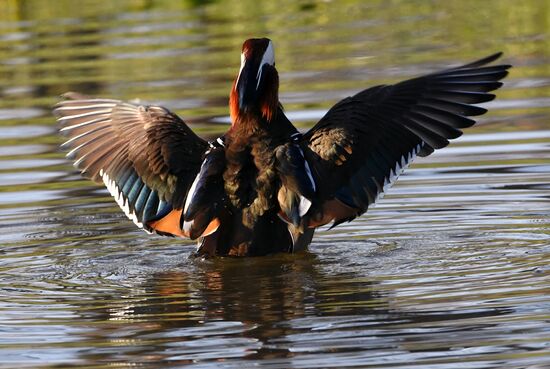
{"points": [[87, 114], [121, 200], [97, 120], [82, 107], [308, 171], [400, 166], [72, 139], [192, 190], [304, 206]]}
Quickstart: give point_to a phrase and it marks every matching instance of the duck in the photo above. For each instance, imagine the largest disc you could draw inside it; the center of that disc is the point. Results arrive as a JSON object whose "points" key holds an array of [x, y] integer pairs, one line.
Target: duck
{"points": [[264, 187]]}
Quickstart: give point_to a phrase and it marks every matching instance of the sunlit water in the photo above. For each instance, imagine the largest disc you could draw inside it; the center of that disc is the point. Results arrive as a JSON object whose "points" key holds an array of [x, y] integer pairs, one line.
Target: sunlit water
{"points": [[449, 270]]}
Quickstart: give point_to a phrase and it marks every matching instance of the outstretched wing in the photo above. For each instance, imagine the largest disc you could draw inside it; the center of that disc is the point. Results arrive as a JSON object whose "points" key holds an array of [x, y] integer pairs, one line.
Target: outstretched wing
{"points": [[365, 141], [146, 156]]}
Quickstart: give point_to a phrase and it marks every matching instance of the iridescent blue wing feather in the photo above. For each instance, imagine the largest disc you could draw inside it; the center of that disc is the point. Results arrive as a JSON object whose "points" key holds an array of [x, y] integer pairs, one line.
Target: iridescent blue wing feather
{"points": [[145, 155]]}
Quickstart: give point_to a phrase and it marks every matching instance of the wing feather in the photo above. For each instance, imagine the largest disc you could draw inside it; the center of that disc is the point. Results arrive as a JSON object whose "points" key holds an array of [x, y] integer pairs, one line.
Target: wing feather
{"points": [[145, 155], [360, 147]]}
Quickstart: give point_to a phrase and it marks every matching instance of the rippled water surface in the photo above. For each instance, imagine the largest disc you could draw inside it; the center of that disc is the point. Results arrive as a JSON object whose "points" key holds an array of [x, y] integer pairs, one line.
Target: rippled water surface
{"points": [[449, 270]]}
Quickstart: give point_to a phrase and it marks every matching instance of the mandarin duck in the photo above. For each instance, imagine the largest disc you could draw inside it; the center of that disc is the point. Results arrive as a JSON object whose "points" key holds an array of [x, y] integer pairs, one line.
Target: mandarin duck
{"points": [[264, 187]]}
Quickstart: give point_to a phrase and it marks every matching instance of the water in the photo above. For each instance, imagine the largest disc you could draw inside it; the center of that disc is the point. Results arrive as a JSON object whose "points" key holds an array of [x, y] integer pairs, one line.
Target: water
{"points": [[449, 270]]}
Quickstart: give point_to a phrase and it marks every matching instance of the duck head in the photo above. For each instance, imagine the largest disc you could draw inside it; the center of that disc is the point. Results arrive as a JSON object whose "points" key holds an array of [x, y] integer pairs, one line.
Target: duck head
{"points": [[256, 89]]}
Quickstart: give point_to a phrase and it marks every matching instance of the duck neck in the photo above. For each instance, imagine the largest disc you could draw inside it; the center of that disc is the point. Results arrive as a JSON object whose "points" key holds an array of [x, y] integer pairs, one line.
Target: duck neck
{"points": [[264, 112]]}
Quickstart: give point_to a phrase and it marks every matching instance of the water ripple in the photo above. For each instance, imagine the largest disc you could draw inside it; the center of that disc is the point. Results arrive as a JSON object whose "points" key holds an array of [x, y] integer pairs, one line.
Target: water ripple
{"points": [[449, 270]]}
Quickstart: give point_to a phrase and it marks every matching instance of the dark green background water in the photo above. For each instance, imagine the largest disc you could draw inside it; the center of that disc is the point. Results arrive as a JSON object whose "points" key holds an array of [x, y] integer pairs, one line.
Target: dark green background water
{"points": [[449, 270]]}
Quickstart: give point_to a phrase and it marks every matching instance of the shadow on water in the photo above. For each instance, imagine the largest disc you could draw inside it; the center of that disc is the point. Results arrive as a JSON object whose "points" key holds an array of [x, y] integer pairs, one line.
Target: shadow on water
{"points": [[270, 308]]}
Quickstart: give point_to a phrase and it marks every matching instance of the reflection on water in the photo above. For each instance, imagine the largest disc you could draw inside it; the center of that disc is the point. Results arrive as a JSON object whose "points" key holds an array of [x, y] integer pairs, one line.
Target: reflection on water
{"points": [[449, 270]]}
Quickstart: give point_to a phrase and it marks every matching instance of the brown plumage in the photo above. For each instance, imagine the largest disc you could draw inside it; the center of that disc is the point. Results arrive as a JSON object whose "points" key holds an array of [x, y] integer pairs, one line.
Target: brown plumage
{"points": [[263, 187]]}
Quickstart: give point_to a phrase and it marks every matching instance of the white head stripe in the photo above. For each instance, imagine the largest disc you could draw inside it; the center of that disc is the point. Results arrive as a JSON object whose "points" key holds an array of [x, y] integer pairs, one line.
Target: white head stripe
{"points": [[267, 58], [243, 59]]}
